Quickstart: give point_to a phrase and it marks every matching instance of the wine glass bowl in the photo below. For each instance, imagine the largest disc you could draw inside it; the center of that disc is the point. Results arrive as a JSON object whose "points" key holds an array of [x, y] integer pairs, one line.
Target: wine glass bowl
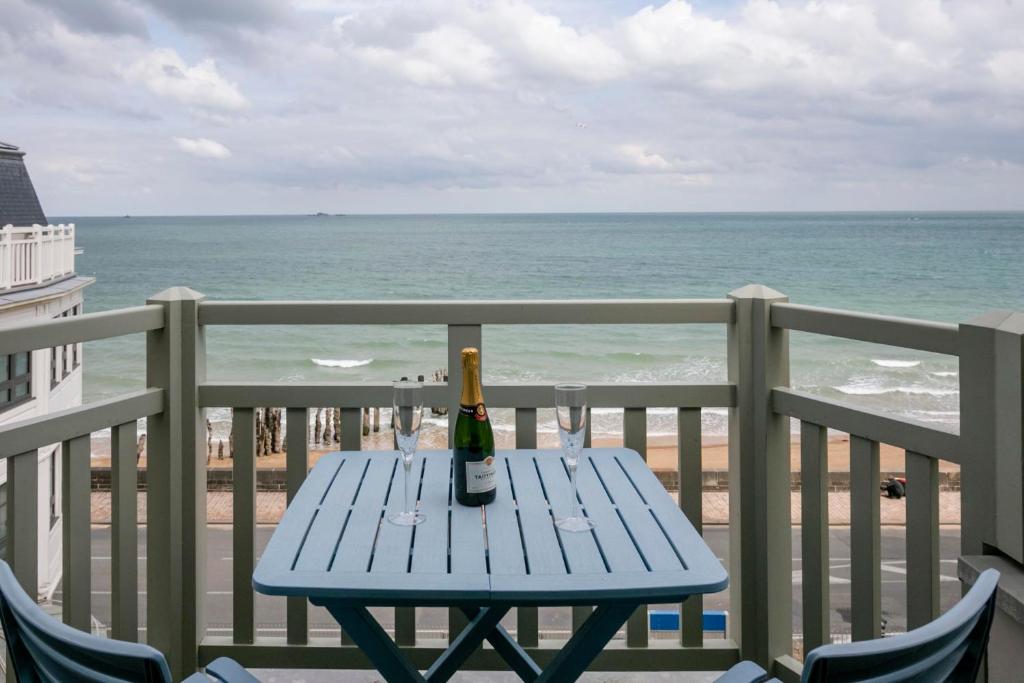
{"points": [[571, 412], [407, 414]]}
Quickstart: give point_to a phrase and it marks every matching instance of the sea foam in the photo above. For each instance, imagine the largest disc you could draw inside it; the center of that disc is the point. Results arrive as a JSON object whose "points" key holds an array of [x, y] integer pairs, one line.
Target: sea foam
{"points": [[881, 362], [341, 362]]}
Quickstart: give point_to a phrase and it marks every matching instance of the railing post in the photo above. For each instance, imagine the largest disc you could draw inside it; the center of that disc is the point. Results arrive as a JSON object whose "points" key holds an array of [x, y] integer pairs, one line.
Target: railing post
{"points": [[992, 452], [176, 483], [760, 567]]}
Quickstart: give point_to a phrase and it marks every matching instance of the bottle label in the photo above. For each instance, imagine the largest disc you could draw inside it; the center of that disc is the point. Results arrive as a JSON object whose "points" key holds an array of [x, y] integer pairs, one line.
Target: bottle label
{"points": [[480, 476], [477, 412]]}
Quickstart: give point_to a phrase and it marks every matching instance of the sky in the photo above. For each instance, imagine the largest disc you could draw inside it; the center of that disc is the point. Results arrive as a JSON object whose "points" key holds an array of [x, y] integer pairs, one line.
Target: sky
{"points": [[153, 107]]}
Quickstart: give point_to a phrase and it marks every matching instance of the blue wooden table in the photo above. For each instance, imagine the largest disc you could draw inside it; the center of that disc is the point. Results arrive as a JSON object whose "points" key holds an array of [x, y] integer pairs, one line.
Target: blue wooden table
{"points": [[335, 546]]}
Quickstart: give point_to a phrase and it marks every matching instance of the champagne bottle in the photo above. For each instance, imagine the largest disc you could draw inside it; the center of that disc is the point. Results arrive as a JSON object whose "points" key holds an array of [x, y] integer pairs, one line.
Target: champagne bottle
{"points": [[474, 469]]}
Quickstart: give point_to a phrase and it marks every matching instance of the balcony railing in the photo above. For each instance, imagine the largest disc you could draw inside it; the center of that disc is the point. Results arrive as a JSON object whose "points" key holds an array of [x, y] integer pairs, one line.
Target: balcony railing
{"points": [[36, 255], [757, 395]]}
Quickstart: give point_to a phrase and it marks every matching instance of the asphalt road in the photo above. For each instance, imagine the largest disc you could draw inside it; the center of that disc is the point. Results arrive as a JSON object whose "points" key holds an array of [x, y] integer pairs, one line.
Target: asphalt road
{"points": [[554, 621]]}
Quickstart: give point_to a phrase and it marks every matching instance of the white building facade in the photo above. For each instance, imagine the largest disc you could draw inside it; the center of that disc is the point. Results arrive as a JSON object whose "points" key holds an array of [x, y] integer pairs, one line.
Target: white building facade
{"points": [[37, 281]]}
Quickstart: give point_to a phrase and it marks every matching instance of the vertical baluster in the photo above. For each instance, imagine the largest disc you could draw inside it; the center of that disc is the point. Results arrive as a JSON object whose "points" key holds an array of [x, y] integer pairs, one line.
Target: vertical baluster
{"points": [[76, 555], [814, 534], [23, 525], [865, 539], [634, 430], [922, 539], [351, 424], [243, 425], [351, 440], [297, 465], [459, 337], [124, 534], [527, 630], [691, 484]]}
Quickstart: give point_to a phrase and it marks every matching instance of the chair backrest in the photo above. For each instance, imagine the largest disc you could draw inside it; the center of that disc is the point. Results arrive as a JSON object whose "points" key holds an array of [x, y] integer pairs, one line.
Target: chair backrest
{"points": [[949, 648], [43, 650]]}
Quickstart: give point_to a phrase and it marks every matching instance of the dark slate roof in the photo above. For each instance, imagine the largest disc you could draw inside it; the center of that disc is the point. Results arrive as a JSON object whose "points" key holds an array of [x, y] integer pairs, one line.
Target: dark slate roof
{"points": [[22, 296], [19, 204]]}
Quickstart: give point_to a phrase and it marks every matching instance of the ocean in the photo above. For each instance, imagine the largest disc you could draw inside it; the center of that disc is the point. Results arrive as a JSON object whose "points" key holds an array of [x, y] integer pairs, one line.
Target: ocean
{"points": [[939, 266]]}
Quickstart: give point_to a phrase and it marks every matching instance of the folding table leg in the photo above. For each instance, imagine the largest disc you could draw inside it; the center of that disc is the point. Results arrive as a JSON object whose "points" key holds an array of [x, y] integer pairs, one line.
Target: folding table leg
{"points": [[480, 626], [587, 643], [375, 643], [509, 650]]}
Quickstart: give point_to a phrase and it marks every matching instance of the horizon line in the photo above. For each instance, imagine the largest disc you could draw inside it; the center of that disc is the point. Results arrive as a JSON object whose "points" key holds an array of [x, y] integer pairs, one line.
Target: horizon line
{"points": [[540, 213]]}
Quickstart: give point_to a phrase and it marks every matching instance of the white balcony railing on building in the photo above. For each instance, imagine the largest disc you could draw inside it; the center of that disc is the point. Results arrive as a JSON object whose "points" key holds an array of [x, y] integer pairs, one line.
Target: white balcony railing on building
{"points": [[36, 255]]}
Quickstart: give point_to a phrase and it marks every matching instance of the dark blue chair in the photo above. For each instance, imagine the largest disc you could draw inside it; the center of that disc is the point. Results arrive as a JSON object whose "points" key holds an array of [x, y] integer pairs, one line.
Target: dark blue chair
{"points": [[950, 648], [43, 650]]}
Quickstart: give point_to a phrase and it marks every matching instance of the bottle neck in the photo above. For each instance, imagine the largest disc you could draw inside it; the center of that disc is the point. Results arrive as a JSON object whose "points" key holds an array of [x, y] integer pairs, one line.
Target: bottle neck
{"points": [[472, 394]]}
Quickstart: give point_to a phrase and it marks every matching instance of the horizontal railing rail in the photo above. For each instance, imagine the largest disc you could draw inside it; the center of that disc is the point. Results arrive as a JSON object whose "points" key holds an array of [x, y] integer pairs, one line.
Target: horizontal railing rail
{"points": [[581, 312], [60, 425], [869, 423], [922, 335], [80, 328], [360, 395]]}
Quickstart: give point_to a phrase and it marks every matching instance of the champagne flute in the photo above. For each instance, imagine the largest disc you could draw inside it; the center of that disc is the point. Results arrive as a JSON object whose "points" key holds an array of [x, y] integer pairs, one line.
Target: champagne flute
{"points": [[571, 409], [407, 407]]}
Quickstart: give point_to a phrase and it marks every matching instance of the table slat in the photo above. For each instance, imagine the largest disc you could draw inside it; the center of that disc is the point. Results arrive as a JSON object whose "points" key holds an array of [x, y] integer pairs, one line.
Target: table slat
{"points": [[651, 542], [430, 547], [502, 526], [360, 534], [394, 542], [287, 539], [679, 531], [580, 548], [325, 530], [620, 552], [543, 552]]}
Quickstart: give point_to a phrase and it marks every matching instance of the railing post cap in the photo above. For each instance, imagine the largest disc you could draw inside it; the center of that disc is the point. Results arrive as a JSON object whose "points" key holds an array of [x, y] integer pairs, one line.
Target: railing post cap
{"points": [[757, 292], [992, 319], [176, 294]]}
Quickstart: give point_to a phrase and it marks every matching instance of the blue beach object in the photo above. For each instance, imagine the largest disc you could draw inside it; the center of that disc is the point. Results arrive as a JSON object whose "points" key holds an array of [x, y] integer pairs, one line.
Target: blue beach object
{"points": [[43, 650], [949, 648]]}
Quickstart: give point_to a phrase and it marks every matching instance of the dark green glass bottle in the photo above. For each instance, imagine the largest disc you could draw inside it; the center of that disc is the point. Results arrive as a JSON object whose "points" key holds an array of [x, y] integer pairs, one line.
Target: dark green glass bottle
{"points": [[474, 468]]}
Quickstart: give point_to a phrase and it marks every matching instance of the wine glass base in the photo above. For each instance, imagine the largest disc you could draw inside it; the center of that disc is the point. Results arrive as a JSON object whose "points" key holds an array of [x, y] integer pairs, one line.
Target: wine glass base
{"points": [[407, 518], [574, 524]]}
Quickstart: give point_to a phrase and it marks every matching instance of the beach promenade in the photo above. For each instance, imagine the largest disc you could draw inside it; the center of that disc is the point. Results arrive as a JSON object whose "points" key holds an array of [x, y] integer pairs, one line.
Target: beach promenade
{"points": [[270, 506]]}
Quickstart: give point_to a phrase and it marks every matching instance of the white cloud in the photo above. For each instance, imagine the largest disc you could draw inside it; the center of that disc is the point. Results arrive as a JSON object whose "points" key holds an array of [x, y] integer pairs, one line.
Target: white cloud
{"points": [[524, 104], [446, 55], [203, 148], [164, 73], [1008, 68]]}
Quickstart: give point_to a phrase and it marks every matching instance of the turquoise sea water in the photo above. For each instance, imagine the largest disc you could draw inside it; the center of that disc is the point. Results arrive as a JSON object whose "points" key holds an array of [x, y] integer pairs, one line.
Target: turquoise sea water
{"points": [[945, 267]]}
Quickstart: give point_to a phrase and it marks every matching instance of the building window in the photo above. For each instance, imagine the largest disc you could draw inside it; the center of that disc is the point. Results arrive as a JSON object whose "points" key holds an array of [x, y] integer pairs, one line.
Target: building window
{"points": [[15, 379], [76, 349], [55, 363], [54, 483]]}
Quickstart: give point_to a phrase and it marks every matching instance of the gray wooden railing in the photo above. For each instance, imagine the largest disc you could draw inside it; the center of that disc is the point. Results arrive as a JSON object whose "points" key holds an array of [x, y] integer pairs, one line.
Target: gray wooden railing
{"points": [[760, 405]]}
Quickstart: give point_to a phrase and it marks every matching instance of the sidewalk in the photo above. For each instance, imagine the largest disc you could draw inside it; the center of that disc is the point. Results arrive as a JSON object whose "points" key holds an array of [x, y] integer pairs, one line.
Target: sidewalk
{"points": [[270, 506]]}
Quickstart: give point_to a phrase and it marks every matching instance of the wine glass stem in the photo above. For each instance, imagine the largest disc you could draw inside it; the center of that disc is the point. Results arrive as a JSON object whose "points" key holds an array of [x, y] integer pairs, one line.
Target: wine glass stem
{"points": [[408, 466], [575, 498]]}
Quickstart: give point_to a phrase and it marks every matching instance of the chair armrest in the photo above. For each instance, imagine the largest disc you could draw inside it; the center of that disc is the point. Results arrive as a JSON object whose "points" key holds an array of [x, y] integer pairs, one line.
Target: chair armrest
{"points": [[229, 671], [744, 672], [196, 678]]}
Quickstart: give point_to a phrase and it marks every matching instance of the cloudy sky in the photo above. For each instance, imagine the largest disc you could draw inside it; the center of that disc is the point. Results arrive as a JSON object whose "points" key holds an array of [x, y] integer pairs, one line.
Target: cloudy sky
{"points": [[270, 106]]}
